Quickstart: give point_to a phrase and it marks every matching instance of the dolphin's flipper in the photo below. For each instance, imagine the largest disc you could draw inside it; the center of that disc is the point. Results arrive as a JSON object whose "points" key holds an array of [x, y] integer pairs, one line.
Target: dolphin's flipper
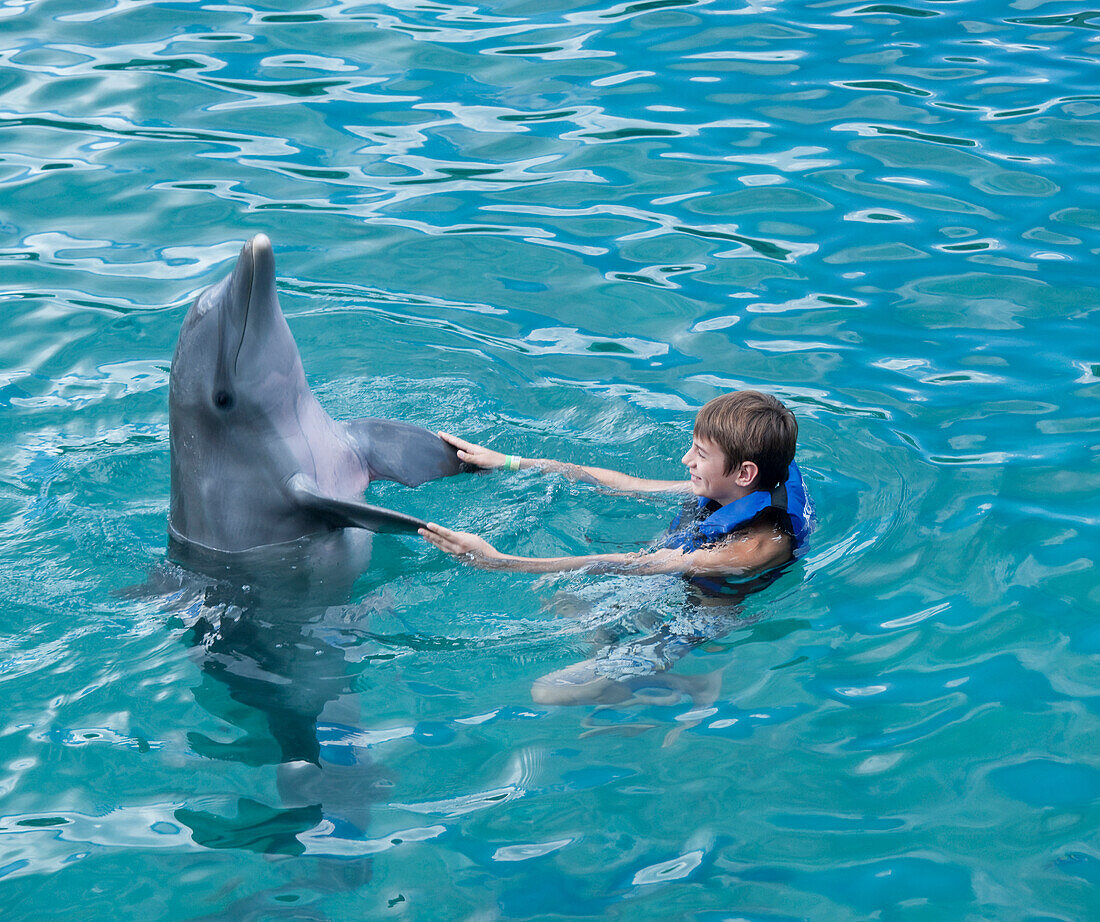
{"points": [[345, 513], [402, 452]]}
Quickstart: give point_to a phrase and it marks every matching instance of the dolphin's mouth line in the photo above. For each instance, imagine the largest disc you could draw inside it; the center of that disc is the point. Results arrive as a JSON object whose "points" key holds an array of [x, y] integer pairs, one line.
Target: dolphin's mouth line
{"points": [[247, 310]]}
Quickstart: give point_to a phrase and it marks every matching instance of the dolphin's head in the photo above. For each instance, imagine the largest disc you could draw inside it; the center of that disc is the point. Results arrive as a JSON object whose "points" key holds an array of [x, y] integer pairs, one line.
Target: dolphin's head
{"points": [[236, 390], [235, 344]]}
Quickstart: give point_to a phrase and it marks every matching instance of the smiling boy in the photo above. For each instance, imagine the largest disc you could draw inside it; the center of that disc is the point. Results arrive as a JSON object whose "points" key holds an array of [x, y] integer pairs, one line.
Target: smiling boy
{"points": [[751, 512]]}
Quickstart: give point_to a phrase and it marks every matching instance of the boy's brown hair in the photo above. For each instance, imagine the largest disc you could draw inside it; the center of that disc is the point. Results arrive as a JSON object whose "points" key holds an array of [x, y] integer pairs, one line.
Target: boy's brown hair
{"points": [[751, 426]]}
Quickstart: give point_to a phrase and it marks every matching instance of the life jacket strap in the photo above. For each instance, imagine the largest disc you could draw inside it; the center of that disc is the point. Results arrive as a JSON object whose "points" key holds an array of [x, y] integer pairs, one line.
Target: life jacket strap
{"points": [[779, 497]]}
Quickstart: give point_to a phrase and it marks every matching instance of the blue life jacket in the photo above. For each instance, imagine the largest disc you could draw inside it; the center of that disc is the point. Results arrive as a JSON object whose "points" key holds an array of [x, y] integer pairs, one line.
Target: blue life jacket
{"points": [[698, 525]]}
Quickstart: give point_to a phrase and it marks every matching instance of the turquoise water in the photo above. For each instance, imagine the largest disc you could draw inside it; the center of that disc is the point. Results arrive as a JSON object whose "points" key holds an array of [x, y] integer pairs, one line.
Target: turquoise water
{"points": [[561, 230]]}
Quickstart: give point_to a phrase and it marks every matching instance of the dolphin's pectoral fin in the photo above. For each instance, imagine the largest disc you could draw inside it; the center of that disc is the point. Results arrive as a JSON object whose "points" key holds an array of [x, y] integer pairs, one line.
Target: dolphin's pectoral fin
{"points": [[345, 513], [403, 452]]}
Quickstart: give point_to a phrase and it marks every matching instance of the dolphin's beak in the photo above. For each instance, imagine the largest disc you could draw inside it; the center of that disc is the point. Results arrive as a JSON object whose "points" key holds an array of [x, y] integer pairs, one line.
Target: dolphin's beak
{"points": [[263, 268], [252, 303], [240, 287]]}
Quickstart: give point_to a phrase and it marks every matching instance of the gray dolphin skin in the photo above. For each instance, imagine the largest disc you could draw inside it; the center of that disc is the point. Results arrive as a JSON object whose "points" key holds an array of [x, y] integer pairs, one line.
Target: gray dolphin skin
{"points": [[256, 461]]}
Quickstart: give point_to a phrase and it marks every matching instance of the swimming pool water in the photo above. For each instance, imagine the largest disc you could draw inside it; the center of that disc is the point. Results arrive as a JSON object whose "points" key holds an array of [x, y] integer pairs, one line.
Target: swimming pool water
{"points": [[560, 229]]}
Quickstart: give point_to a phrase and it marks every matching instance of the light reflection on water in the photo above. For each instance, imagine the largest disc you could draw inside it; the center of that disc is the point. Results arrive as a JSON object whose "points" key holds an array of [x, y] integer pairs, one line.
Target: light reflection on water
{"points": [[563, 231]]}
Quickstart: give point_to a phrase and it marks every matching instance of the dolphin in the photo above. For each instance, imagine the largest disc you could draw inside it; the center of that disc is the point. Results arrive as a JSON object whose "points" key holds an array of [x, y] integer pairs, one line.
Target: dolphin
{"points": [[267, 512], [256, 461]]}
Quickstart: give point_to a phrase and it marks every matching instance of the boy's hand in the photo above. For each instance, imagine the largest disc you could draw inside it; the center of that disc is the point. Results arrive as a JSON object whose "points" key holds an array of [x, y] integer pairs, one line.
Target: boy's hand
{"points": [[477, 455], [477, 550]]}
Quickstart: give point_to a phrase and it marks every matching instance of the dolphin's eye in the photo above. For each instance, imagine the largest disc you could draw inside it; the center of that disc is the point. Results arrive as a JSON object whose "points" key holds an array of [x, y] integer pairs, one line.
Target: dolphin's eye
{"points": [[223, 400]]}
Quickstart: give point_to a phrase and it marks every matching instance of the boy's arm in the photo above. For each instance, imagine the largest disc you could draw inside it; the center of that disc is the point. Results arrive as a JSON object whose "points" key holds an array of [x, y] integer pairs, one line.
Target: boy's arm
{"points": [[753, 551], [486, 458]]}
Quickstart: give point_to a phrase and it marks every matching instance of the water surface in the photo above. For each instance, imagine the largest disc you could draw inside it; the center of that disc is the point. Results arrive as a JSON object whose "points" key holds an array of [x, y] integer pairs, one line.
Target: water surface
{"points": [[561, 230]]}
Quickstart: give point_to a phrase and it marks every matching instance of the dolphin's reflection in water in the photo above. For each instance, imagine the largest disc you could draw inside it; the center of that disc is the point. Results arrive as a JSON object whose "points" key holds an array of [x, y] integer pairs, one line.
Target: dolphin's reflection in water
{"points": [[259, 626]]}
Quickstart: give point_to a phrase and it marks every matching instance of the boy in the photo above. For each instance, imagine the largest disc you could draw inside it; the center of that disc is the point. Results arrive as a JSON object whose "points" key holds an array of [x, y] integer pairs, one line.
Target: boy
{"points": [[751, 511], [749, 515]]}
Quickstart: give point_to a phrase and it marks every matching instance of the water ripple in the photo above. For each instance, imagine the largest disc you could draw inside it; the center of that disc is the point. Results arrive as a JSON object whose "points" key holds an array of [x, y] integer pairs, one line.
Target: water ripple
{"points": [[561, 231]]}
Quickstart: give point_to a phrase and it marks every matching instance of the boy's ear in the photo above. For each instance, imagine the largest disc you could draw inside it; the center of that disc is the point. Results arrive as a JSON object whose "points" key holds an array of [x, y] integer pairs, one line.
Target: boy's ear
{"points": [[747, 473]]}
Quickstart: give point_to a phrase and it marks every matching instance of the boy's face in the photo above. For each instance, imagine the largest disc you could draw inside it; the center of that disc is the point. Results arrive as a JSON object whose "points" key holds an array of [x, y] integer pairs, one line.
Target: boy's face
{"points": [[706, 463]]}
